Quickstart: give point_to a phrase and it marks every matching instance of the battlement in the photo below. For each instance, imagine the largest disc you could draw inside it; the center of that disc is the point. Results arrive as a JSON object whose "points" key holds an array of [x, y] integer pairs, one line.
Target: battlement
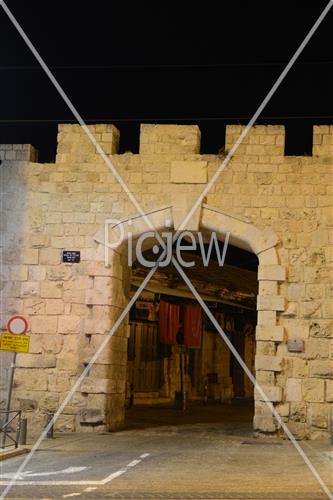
{"points": [[18, 152], [157, 139], [262, 140]]}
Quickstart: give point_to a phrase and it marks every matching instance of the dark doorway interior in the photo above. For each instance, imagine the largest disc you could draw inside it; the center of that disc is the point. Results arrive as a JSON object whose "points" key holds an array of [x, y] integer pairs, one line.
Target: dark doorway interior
{"points": [[168, 376]]}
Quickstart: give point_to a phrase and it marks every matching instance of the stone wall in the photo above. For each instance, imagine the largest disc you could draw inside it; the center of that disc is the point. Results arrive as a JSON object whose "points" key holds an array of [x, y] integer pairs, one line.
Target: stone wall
{"points": [[70, 307]]}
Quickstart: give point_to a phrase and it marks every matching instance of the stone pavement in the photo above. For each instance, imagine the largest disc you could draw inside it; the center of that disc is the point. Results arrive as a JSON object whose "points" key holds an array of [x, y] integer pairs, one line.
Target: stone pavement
{"points": [[186, 460]]}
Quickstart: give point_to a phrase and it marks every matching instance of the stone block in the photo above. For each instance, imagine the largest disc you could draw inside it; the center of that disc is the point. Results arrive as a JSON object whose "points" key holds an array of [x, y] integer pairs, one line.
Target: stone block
{"points": [[298, 429], [321, 328], [189, 172], [98, 386], [54, 306], [272, 333], [270, 303], [265, 348], [294, 390], [36, 273], [270, 363], [49, 403], [49, 256], [268, 287], [295, 328], [65, 423], [264, 424], [99, 269], [39, 240], [329, 391], [35, 344], [68, 362], [44, 324], [313, 390], [69, 324], [169, 139], [92, 416], [317, 348], [94, 326], [34, 306], [266, 318], [59, 273], [268, 257], [296, 291], [310, 308], [30, 256], [26, 360], [283, 409], [26, 404], [264, 377], [58, 382], [51, 290], [50, 344], [262, 409], [30, 289], [19, 273], [34, 379], [319, 414], [273, 393], [321, 368], [298, 411], [95, 297], [272, 273], [300, 368]]}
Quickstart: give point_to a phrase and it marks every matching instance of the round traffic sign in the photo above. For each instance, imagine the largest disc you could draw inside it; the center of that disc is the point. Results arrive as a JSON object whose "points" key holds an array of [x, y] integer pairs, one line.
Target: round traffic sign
{"points": [[17, 324]]}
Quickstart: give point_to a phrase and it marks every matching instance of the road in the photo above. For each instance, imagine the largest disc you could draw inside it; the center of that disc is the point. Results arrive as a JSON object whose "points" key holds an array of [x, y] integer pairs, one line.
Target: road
{"points": [[172, 461]]}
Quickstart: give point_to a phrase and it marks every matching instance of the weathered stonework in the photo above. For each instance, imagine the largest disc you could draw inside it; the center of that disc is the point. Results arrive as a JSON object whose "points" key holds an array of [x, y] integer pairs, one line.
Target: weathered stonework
{"points": [[279, 207]]}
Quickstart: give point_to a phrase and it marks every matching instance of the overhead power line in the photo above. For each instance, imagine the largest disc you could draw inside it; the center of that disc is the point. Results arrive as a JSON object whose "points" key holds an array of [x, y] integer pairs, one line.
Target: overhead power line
{"points": [[173, 119], [164, 66]]}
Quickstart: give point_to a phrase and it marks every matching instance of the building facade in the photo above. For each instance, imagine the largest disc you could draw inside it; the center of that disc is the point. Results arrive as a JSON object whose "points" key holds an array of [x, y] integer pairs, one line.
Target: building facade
{"points": [[275, 206]]}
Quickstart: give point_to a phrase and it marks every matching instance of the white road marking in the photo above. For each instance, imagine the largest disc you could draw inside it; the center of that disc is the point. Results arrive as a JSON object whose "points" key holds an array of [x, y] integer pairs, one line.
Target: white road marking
{"points": [[114, 475], [100, 482], [71, 495], [90, 488], [134, 463], [29, 473]]}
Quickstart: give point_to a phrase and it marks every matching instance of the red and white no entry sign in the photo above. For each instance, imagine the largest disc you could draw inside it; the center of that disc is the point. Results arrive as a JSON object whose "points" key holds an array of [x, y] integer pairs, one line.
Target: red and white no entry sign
{"points": [[17, 324]]}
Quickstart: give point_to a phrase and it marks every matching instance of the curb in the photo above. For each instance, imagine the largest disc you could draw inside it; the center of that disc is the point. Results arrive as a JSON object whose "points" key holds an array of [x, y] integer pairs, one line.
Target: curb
{"points": [[4, 455]]}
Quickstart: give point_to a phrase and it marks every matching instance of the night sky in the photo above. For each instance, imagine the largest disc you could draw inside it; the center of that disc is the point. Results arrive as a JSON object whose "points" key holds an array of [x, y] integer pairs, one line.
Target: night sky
{"points": [[209, 63]]}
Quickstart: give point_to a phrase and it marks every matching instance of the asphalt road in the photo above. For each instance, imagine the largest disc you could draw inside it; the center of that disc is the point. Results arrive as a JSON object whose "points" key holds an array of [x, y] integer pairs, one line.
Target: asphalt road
{"points": [[184, 461]]}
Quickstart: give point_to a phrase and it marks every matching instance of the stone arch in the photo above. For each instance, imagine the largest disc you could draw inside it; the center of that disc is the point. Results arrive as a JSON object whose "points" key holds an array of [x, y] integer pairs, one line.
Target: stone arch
{"points": [[243, 234]]}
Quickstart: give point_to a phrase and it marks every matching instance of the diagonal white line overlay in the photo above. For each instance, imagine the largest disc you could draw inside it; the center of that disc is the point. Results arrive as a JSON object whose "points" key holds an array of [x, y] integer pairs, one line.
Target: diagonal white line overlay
{"points": [[134, 201], [257, 386], [79, 118], [256, 115], [78, 382]]}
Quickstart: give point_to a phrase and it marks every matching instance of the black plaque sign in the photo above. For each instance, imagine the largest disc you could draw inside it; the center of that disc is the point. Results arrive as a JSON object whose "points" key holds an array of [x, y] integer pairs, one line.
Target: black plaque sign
{"points": [[71, 256]]}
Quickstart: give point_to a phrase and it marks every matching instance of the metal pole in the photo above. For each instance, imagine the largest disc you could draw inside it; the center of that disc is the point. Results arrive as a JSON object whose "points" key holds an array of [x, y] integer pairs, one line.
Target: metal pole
{"points": [[9, 394], [49, 433], [22, 431]]}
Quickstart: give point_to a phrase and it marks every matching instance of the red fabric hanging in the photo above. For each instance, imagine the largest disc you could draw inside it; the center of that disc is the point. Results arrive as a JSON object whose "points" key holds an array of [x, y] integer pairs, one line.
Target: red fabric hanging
{"points": [[168, 322], [192, 325]]}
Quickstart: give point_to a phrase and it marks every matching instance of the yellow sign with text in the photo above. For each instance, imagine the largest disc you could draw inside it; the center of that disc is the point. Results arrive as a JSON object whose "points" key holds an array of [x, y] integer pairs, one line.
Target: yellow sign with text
{"points": [[14, 342]]}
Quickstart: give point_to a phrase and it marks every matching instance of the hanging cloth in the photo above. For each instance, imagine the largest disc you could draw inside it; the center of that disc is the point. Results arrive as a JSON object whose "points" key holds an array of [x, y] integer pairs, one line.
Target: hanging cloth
{"points": [[192, 325], [168, 322]]}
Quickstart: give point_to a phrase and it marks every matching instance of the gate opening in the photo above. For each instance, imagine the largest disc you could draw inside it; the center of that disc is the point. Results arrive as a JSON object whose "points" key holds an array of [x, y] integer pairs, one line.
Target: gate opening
{"points": [[179, 369]]}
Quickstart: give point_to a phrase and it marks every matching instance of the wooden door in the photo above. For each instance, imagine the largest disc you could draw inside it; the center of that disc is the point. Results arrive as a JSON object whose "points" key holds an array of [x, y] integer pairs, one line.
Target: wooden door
{"points": [[237, 372], [146, 371]]}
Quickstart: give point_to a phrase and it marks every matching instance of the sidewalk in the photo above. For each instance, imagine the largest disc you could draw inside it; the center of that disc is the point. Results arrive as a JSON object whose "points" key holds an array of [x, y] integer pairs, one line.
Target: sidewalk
{"points": [[11, 451]]}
